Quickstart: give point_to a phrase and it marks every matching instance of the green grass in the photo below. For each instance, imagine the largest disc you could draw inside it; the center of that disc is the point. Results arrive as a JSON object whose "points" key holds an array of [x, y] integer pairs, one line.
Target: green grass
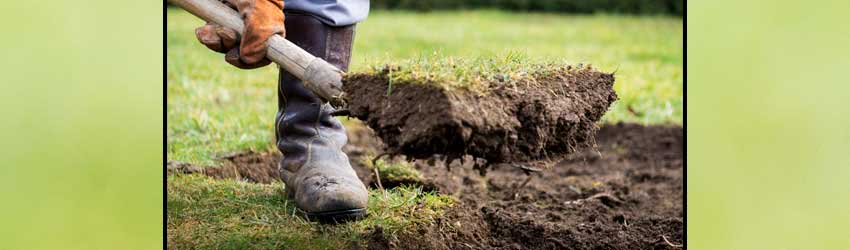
{"points": [[477, 73], [214, 108], [226, 214], [398, 171]]}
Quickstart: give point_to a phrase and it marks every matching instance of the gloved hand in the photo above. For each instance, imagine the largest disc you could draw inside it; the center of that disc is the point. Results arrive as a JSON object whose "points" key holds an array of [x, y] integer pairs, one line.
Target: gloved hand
{"points": [[263, 18]]}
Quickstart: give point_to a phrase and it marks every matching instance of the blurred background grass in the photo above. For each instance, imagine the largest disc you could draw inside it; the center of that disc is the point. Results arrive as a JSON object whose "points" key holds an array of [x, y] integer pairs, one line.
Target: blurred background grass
{"points": [[768, 124], [81, 129]]}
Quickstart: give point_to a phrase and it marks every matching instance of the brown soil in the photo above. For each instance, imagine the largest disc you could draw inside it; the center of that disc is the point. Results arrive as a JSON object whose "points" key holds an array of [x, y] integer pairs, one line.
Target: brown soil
{"points": [[538, 118], [625, 194]]}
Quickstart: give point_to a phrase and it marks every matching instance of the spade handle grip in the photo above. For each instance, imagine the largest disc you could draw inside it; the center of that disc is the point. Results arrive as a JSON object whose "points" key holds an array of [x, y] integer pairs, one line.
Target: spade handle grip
{"points": [[319, 76]]}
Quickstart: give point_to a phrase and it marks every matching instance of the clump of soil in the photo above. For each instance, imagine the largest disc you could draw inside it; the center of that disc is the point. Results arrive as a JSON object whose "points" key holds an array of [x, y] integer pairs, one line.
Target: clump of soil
{"points": [[544, 116], [627, 193]]}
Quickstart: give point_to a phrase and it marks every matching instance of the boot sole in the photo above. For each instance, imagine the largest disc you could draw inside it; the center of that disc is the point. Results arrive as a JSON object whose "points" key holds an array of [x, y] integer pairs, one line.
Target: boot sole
{"points": [[339, 216]]}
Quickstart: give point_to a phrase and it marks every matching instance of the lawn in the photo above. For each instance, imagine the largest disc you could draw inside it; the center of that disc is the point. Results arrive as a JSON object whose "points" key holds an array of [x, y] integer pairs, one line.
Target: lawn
{"points": [[214, 109]]}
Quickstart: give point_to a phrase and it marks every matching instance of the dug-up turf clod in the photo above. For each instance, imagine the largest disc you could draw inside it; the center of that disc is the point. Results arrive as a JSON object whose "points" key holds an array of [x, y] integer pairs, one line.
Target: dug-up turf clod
{"points": [[536, 117]]}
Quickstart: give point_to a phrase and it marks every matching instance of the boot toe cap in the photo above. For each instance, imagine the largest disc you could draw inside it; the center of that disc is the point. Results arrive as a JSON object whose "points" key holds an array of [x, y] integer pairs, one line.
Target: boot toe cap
{"points": [[328, 194]]}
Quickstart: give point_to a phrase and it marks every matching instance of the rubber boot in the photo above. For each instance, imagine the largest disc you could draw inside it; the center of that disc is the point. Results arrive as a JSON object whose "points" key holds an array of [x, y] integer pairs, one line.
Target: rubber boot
{"points": [[316, 172]]}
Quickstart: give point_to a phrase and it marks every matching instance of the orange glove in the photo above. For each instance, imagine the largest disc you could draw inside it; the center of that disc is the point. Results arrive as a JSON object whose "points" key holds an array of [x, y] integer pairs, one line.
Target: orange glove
{"points": [[263, 18]]}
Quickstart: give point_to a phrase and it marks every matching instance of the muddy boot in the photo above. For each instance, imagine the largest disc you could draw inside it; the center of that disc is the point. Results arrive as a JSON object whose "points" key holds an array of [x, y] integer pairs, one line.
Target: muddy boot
{"points": [[316, 172]]}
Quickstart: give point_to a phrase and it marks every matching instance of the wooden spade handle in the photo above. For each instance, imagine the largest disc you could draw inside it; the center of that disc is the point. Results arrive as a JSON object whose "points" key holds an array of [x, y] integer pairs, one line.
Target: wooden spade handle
{"points": [[322, 78]]}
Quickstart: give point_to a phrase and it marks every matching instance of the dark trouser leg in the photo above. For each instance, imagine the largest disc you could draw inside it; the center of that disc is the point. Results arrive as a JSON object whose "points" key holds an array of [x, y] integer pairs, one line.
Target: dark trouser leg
{"points": [[316, 172]]}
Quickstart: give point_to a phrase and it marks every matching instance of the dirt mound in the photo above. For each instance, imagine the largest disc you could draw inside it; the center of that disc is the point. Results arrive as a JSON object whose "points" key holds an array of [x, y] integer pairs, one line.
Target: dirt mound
{"points": [[526, 120], [247, 166], [625, 194]]}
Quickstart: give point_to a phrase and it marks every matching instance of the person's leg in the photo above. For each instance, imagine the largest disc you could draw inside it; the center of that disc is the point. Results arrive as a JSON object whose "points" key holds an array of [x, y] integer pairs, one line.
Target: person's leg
{"points": [[316, 172]]}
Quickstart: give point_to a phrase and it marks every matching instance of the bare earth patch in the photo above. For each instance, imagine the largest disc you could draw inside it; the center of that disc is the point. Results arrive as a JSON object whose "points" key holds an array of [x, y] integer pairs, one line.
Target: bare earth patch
{"points": [[626, 195]]}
